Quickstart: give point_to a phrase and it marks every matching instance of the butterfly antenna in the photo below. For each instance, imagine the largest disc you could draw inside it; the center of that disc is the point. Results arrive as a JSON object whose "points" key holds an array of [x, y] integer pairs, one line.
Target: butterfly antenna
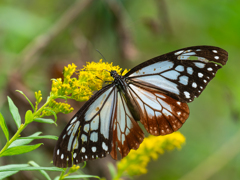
{"points": [[101, 54], [103, 58]]}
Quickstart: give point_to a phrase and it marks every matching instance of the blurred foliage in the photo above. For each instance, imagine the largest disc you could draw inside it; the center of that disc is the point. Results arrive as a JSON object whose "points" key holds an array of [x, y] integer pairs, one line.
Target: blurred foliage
{"points": [[37, 38]]}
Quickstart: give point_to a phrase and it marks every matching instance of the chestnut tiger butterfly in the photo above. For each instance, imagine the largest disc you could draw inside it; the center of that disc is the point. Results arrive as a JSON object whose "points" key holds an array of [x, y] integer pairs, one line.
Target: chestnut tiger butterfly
{"points": [[155, 93]]}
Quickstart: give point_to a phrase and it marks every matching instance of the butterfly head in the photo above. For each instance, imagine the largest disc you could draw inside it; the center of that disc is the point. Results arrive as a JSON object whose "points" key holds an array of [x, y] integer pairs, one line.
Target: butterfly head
{"points": [[114, 74]]}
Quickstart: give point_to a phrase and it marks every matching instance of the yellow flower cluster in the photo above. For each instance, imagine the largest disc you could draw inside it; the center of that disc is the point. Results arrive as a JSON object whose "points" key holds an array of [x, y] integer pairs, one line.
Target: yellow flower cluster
{"points": [[56, 107], [90, 78], [137, 160], [80, 88]]}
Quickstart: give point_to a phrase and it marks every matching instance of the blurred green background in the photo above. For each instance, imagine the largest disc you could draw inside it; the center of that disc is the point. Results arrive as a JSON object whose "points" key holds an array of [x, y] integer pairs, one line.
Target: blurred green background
{"points": [[38, 38]]}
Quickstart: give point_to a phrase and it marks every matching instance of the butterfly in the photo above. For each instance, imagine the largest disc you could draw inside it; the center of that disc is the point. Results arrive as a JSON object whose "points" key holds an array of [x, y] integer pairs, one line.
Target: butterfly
{"points": [[155, 93]]}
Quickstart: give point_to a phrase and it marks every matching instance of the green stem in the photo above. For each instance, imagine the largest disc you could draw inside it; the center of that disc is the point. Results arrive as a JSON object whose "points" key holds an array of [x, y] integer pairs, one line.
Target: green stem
{"points": [[17, 134], [62, 174], [41, 108], [22, 127]]}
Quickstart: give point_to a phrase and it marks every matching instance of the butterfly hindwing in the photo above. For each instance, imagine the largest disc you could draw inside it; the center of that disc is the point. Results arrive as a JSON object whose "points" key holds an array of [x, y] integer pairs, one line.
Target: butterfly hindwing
{"points": [[88, 134], [126, 131], [159, 113], [181, 74]]}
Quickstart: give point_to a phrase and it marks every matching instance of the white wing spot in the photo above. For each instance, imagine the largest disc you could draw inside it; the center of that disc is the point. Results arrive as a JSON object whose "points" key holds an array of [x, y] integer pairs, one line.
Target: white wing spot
{"points": [[69, 127], [198, 50], [178, 113], [190, 70], [86, 128], [67, 159], [216, 65], [74, 119], [179, 103], [216, 57], [83, 150], [94, 149], [200, 75], [62, 156], [205, 81], [104, 146], [215, 51], [201, 87], [64, 136], [194, 85], [74, 155], [76, 160], [85, 156], [179, 52], [58, 152], [209, 69], [187, 94], [84, 138]]}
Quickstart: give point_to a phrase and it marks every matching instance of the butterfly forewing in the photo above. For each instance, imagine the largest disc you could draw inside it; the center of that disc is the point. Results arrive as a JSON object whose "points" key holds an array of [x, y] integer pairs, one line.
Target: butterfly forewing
{"points": [[181, 74], [88, 135]]}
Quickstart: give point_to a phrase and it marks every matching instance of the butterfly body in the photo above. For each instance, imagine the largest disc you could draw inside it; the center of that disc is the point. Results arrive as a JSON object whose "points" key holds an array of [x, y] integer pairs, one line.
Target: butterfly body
{"points": [[155, 93]]}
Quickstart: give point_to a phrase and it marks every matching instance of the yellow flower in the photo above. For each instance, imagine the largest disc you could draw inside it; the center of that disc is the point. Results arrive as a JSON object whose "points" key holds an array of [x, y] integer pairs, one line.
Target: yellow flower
{"points": [[136, 161], [90, 78]]}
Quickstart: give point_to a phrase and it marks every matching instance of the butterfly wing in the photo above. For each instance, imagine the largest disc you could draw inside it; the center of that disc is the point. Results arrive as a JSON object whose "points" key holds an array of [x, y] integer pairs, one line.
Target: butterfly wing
{"points": [[159, 113], [94, 130], [161, 87], [88, 135], [127, 134], [182, 74]]}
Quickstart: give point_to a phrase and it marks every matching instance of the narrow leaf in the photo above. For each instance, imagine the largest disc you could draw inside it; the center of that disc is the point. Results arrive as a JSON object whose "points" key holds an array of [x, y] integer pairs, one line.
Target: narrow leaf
{"points": [[21, 141], [42, 120], [81, 176], [32, 163], [28, 117], [41, 137], [20, 150], [26, 167], [14, 112], [4, 127], [112, 169], [7, 174], [12, 166], [26, 98]]}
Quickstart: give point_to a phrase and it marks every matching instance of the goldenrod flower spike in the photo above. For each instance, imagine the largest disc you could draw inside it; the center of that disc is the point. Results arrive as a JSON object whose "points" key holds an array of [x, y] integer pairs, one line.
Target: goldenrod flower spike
{"points": [[136, 161]]}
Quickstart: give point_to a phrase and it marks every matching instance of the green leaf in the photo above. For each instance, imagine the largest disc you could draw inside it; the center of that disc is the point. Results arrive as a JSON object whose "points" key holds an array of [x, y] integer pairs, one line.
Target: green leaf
{"points": [[4, 127], [14, 112], [41, 137], [26, 167], [112, 169], [26, 98], [28, 117], [20, 142], [7, 174], [81, 176], [32, 163], [20, 150], [12, 167], [42, 120]]}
